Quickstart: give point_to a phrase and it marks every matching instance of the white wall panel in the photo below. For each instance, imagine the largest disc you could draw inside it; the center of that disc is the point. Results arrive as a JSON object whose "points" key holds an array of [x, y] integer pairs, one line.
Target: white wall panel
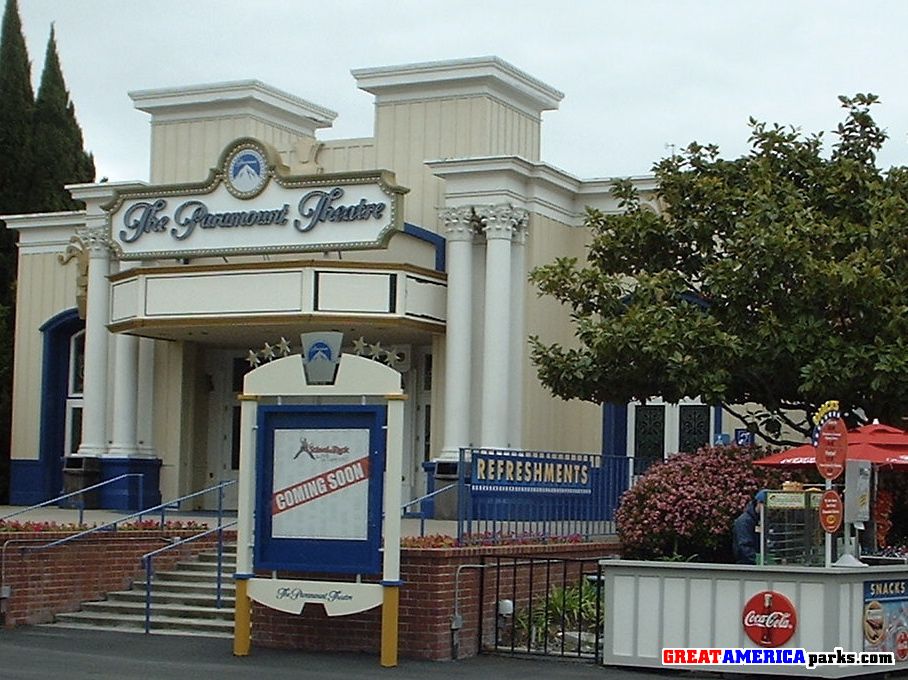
{"points": [[354, 292], [425, 298], [124, 300], [221, 294]]}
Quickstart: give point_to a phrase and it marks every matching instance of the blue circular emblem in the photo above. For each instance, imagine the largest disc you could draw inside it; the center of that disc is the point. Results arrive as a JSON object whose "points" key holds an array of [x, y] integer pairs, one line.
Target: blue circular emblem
{"points": [[247, 172]]}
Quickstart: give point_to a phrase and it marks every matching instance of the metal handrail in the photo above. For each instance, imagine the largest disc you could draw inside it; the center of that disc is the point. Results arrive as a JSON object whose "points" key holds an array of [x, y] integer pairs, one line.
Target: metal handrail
{"points": [[163, 507], [76, 493], [422, 515], [149, 569]]}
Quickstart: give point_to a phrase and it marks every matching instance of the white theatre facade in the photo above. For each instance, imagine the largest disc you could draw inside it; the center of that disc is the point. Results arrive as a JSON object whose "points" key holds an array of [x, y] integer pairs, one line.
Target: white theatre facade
{"points": [[138, 316]]}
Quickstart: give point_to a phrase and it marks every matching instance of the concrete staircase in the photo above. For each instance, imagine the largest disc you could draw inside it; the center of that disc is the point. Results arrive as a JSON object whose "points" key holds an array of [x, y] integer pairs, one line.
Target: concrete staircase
{"points": [[183, 602]]}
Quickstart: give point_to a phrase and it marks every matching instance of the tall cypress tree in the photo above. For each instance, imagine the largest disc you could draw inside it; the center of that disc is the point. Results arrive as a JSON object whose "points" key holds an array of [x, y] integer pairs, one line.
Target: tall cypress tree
{"points": [[57, 151], [16, 110]]}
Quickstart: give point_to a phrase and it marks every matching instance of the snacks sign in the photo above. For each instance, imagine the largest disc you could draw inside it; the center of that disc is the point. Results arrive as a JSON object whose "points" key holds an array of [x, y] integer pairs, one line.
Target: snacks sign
{"points": [[885, 620]]}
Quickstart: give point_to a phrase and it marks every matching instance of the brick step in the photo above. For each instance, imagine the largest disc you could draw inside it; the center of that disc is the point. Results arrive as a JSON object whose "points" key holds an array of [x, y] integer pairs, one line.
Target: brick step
{"points": [[180, 631]]}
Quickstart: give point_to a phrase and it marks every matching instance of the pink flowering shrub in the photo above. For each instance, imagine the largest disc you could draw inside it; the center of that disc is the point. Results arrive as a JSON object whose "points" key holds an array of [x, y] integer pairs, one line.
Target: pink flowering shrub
{"points": [[685, 507]]}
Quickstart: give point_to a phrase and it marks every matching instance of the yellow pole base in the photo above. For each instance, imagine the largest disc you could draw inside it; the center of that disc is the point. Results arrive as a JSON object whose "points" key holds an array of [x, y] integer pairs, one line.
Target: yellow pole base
{"points": [[242, 620], [389, 618]]}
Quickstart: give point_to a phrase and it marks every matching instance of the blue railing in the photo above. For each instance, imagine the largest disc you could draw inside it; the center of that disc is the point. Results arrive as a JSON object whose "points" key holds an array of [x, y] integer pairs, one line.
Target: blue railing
{"points": [[112, 525], [505, 493], [421, 513], [81, 506], [219, 529]]}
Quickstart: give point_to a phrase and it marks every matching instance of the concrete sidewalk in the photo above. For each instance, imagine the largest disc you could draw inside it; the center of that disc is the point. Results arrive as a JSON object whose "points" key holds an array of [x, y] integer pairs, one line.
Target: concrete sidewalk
{"points": [[41, 652]]}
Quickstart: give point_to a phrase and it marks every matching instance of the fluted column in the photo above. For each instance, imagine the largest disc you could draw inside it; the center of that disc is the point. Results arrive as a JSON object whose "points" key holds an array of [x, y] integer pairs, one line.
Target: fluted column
{"points": [[126, 371], [95, 240], [459, 230], [518, 334], [499, 224]]}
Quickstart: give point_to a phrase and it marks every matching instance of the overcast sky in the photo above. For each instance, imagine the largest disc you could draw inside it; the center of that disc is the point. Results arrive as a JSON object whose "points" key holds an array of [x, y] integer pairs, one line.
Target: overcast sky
{"points": [[637, 75]]}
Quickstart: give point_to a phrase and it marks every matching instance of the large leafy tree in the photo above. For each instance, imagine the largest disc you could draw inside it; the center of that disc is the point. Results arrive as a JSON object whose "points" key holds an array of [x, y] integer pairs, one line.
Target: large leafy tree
{"points": [[58, 155], [779, 278]]}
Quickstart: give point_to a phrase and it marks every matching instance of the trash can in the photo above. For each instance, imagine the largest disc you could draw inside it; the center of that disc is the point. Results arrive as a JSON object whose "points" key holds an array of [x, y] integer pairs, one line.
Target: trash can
{"points": [[446, 502], [80, 472]]}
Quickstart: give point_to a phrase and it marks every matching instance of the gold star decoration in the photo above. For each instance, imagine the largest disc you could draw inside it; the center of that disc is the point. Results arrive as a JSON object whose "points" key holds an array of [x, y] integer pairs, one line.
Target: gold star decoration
{"points": [[253, 359], [376, 350], [267, 352]]}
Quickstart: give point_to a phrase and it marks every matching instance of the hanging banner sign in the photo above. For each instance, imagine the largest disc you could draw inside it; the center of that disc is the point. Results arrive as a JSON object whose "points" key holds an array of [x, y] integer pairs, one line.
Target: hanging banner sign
{"points": [[509, 473], [831, 511]]}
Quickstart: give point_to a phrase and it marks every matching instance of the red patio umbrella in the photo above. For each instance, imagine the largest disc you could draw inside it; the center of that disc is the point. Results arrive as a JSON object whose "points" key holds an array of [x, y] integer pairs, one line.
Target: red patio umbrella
{"points": [[880, 444], [804, 455]]}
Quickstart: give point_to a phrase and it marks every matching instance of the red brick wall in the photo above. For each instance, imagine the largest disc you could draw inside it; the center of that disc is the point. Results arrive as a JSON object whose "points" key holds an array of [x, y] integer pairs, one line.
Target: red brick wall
{"points": [[426, 603], [46, 582]]}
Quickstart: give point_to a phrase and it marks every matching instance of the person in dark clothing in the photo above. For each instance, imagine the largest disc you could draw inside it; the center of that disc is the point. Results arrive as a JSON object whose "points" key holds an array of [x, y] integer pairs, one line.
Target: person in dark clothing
{"points": [[746, 539]]}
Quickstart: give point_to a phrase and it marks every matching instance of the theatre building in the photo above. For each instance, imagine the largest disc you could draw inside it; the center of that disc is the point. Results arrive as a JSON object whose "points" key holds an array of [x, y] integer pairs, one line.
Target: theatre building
{"points": [[138, 316]]}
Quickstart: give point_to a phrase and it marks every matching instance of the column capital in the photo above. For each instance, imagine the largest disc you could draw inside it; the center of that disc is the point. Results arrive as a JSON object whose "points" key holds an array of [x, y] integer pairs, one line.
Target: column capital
{"points": [[502, 221], [460, 222], [97, 241]]}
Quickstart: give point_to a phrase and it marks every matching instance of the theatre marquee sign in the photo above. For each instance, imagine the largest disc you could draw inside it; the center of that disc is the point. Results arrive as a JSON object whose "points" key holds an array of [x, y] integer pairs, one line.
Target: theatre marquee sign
{"points": [[247, 206]]}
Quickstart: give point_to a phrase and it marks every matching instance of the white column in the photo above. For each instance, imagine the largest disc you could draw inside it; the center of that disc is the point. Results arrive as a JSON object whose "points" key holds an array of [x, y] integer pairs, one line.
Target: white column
{"points": [[96, 241], [145, 400], [519, 340], [125, 397], [498, 224], [459, 330]]}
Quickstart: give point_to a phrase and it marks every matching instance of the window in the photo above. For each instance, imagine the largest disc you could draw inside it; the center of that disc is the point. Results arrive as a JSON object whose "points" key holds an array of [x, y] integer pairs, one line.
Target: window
{"points": [[74, 386]]}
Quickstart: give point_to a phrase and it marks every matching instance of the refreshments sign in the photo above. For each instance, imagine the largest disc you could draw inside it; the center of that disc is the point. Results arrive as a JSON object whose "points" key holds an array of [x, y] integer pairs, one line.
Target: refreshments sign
{"points": [[248, 206], [769, 619]]}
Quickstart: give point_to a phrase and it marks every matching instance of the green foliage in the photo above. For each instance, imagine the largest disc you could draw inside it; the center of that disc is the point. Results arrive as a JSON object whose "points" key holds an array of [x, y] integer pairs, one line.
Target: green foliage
{"points": [[779, 278], [40, 151], [57, 152], [568, 609]]}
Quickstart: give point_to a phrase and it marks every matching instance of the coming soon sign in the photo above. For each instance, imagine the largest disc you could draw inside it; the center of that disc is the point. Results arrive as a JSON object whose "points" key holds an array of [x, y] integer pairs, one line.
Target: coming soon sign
{"points": [[319, 488]]}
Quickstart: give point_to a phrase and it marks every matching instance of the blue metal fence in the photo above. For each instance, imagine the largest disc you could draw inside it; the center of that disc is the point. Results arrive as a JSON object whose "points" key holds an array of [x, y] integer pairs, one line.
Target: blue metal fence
{"points": [[506, 493]]}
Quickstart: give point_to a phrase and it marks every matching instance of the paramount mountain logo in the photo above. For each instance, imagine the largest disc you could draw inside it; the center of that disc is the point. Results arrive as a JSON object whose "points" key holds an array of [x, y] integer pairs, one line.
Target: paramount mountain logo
{"points": [[247, 172]]}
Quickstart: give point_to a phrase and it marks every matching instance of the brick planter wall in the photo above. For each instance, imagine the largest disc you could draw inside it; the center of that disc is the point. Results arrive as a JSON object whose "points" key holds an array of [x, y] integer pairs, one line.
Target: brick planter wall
{"points": [[426, 603], [55, 580]]}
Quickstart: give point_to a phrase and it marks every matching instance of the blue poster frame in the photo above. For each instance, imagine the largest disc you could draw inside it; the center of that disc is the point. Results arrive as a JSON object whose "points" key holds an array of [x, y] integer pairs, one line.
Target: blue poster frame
{"points": [[319, 555]]}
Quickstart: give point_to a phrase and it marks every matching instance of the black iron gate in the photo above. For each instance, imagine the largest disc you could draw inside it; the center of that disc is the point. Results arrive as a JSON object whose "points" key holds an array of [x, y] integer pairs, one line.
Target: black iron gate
{"points": [[542, 606]]}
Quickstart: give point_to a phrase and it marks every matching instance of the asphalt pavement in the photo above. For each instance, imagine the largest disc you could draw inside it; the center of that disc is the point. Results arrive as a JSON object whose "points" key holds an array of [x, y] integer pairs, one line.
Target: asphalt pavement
{"points": [[44, 652]]}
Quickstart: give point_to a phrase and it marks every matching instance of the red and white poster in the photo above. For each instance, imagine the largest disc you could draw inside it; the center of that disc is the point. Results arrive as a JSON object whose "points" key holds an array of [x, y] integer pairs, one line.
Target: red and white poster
{"points": [[320, 484]]}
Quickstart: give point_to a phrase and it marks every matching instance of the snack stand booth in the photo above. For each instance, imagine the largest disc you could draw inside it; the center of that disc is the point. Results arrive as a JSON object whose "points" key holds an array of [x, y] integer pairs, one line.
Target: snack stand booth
{"points": [[809, 591]]}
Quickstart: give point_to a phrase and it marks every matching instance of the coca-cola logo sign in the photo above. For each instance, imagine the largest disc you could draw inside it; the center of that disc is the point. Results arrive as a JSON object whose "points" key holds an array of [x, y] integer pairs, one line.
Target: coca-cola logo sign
{"points": [[769, 619]]}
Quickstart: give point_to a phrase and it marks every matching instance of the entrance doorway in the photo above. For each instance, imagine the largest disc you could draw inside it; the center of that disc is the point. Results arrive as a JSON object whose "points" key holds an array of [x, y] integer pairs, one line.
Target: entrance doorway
{"points": [[225, 370]]}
